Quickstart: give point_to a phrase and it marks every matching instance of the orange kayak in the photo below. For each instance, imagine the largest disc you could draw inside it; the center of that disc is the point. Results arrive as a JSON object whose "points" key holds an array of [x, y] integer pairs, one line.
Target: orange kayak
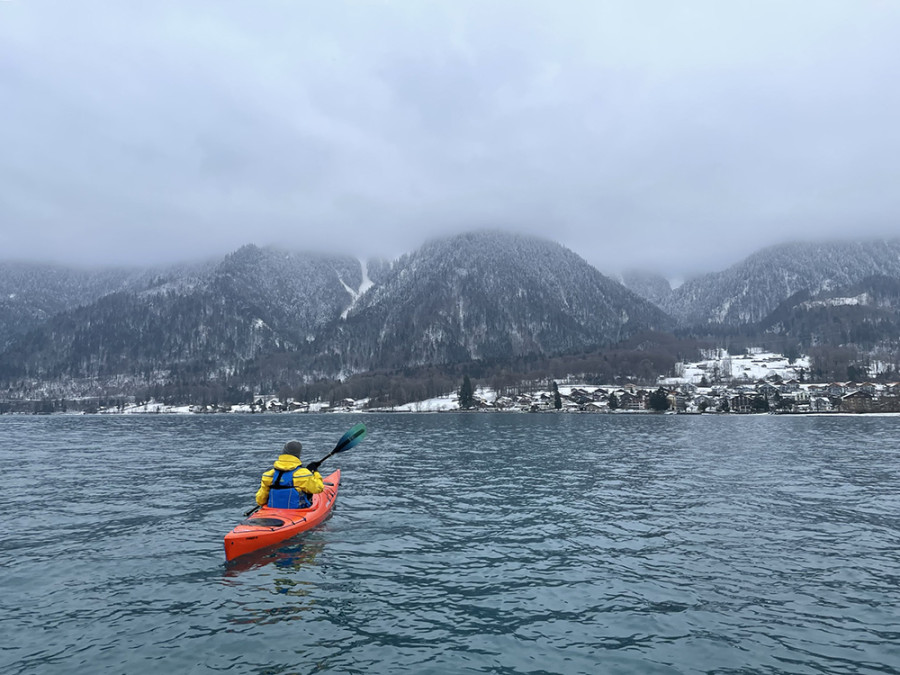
{"points": [[267, 527]]}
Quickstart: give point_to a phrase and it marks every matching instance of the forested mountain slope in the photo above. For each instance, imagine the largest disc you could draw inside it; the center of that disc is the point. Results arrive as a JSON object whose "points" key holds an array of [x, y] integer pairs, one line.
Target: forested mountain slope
{"points": [[254, 301], [31, 293], [484, 295], [750, 290]]}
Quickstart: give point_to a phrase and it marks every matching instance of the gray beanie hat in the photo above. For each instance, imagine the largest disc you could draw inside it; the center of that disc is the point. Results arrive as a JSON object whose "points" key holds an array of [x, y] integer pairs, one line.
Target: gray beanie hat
{"points": [[293, 448]]}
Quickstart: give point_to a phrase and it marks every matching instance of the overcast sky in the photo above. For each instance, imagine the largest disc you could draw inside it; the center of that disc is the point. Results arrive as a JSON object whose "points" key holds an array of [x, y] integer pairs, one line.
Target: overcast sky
{"points": [[676, 136]]}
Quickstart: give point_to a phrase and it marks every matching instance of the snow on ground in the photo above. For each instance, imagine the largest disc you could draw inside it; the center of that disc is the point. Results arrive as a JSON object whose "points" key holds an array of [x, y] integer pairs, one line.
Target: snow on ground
{"points": [[153, 407], [862, 299], [753, 366], [443, 403], [358, 293], [438, 404]]}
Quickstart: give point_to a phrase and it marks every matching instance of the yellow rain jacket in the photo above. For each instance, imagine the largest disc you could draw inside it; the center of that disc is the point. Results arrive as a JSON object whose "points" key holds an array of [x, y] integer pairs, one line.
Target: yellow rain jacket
{"points": [[304, 480]]}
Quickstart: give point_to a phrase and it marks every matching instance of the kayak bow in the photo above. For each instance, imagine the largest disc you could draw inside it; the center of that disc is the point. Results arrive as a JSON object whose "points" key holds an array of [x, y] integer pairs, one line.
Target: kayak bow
{"points": [[267, 527]]}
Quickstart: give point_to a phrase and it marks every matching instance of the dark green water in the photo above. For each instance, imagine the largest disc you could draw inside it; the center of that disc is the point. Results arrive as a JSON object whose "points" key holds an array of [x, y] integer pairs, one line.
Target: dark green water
{"points": [[459, 544]]}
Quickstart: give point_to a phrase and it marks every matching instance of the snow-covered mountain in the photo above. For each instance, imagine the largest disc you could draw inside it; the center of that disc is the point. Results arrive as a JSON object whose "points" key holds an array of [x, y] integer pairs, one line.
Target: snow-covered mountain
{"points": [[649, 285], [209, 320], [484, 295], [749, 291], [31, 293], [865, 314], [267, 318], [283, 316]]}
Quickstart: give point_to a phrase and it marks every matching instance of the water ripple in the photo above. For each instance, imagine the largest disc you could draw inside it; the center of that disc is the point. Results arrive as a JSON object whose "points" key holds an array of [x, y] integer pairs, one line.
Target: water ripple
{"points": [[460, 543]]}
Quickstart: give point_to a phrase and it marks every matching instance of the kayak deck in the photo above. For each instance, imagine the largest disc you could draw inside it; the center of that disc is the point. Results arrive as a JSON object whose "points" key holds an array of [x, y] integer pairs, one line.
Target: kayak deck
{"points": [[267, 527]]}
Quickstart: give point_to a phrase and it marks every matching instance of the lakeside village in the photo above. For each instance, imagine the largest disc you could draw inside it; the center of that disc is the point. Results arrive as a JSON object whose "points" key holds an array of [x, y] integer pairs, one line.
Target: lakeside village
{"points": [[754, 383]]}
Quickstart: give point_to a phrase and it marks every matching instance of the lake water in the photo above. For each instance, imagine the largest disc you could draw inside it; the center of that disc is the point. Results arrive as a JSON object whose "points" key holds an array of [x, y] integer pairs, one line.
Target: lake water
{"points": [[460, 543]]}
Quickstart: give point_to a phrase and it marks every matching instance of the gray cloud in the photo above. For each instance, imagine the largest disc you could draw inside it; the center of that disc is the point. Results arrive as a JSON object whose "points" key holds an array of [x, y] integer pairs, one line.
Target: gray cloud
{"points": [[672, 136]]}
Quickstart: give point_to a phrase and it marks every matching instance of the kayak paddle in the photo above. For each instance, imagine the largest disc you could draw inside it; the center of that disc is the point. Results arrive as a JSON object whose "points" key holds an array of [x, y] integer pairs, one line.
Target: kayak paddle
{"points": [[350, 439]]}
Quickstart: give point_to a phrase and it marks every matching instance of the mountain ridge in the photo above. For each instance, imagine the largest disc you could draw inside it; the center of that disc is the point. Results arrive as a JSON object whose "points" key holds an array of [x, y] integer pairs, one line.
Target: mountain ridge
{"points": [[486, 295], [252, 301], [263, 317], [748, 291]]}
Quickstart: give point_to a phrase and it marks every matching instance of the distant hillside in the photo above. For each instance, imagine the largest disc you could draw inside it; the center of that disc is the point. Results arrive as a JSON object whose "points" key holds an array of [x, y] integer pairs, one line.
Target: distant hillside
{"points": [[484, 295], [749, 291], [255, 301], [650, 286], [865, 314], [264, 319], [31, 293]]}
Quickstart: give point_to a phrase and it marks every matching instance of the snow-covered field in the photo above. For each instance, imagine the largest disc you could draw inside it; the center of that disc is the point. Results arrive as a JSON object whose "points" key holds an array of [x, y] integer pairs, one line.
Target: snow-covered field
{"points": [[444, 403], [751, 367]]}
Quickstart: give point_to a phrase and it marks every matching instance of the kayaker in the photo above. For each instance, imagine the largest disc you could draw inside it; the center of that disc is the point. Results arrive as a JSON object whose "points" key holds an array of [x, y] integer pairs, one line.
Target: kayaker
{"points": [[288, 484]]}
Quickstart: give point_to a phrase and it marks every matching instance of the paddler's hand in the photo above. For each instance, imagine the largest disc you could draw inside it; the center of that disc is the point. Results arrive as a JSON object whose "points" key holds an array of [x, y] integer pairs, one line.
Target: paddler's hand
{"points": [[313, 466]]}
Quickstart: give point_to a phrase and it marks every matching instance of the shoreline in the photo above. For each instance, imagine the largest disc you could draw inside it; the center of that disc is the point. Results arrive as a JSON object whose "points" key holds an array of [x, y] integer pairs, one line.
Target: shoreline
{"points": [[178, 410]]}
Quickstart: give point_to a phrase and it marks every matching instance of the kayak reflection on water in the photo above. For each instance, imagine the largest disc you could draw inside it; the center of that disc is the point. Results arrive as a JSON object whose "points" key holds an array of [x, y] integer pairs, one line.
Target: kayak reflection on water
{"points": [[291, 556], [285, 574]]}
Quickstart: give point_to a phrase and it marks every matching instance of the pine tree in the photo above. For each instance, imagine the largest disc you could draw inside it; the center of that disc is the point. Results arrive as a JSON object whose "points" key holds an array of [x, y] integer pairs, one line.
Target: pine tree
{"points": [[466, 394], [659, 400], [557, 400]]}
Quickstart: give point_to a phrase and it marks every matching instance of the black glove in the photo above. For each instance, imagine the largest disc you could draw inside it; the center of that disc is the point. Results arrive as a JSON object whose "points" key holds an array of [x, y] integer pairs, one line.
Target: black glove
{"points": [[313, 466]]}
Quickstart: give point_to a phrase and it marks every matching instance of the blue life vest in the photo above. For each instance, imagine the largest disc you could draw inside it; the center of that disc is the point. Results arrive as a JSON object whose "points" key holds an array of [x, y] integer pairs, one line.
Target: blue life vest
{"points": [[283, 494]]}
